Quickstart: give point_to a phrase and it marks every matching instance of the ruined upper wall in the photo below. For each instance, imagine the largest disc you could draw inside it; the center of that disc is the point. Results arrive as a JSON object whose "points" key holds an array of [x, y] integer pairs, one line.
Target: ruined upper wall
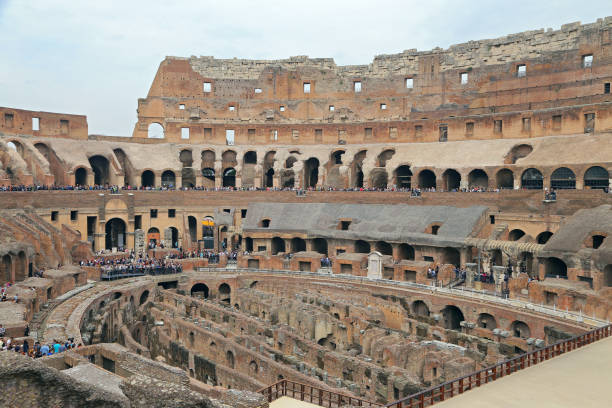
{"points": [[23, 122]]}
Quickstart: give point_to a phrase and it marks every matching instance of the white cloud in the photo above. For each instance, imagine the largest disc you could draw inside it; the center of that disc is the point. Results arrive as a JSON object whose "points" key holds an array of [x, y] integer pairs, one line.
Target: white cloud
{"points": [[97, 58]]}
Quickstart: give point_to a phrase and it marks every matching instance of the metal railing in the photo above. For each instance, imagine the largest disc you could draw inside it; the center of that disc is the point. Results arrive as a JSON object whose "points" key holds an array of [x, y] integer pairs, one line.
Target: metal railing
{"points": [[449, 389], [313, 395]]}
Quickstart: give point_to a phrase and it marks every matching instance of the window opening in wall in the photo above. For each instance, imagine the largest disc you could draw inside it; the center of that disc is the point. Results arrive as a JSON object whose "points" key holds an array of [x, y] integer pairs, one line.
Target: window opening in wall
{"points": [[368, 133], [418, 130], [185, 133], [182, 106], [229, 137], [258, 90], [464, 78], [8, 120], [492, 219], [409, 83], [589, 119], [74, 215], [232, 108], [306, 87], [435, 229], [282, 108], [171, 213], [443, 129], [469, 128], [295, 134], [318, 135], [357, 86], [54, 215], [153, 213], [207, 87], [607, 88], [556, 122], [35, 124], [331, 107], [521, 70], [137, 221], [497, 126], [344, 225], [383, 106], [274, 135], [587, 61], [64, 126], [526, 124], [243, 213], [428, 258]]}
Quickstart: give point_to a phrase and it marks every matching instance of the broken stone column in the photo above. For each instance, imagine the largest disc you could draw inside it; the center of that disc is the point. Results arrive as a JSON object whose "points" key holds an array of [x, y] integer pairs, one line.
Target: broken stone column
{"points": [[139, 241], [498, 276], [470, 271]]}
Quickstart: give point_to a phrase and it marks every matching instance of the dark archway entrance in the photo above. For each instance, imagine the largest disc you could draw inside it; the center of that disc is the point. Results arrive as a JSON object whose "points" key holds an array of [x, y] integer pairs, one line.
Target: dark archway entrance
{"points": [[80, 177], [199, 290], [451, 179], [147, 179], [229, 177], [311, 172], [452, 317], [403, 177], [100, 167], [115, 233]]}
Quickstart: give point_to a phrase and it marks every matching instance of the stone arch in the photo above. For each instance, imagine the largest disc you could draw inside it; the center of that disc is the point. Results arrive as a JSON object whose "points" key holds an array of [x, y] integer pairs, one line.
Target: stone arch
{"points": [[478, 178], [452, 317], [403, 177], [168, 179], [21, 266], [516, 234], [186, 157], [520, 329], [200, 290], [518, 152], [379, 178], [228, 158], [362, 247], [486, 321], [419, 308], [225, 293], [298, 245], [357, 168], [504, 179], [7, 267], [229, 357], [208, 158], [427, 179], [563, 178], [250, 157], [405, 251], [532, 179], [116, 230], [147, 179], [451, 180], [80, 177], [155, 131], [101, 168], [555, 267], [596, 177], [311, 172], [253, 367], [320, 245], [543, 237], [384, 157], [277, 245], [384, 248], [229, 177], [143, 297]]}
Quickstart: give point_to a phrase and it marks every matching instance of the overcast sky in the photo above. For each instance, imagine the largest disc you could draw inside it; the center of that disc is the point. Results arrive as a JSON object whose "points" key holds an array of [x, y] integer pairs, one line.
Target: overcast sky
{"points": [[98, 57]]}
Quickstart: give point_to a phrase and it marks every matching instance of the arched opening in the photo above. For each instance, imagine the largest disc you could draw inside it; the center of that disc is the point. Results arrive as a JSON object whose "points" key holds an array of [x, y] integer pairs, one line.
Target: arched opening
{"points": [[427, 179], [504, 179], [357, 167], [270, 177], [155, 131], [336, 157], [419, 308], [193, 229], [596, 240], [225, 293], [362, 247], [486, 321], [520, 329], [208, 232], [596, 177], [100, 167], [147, 179], [607, 276], [153, 236], [451, 179], [405, 251], [384, 248], [209, 177], [403, 177], [188, 178], [518, 152], [253, 368], [532, 179], [186, 158], [478, 179], [555, 268], [115, 233], [229, 357], [168, 179], [563, 178], [278, 245], [452, 317], [327, 342], [543, 237], [21, 267], [7, 266], [200, 290], [516, 234], [320, 245], [125, 164], [229, 177], [143, 297], [379, 178], [311, 172], [384, 157], [250, 157], [80, 177], [451, 256], [298, 245]]}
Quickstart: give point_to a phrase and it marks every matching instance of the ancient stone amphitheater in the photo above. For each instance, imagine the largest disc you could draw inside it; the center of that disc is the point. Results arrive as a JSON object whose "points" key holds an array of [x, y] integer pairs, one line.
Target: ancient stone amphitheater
{"points": [[308, 204]]}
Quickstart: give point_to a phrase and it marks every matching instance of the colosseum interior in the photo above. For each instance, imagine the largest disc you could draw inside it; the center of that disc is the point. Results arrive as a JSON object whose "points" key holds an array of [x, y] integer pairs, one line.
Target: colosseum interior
{"points": [[307, 205]]}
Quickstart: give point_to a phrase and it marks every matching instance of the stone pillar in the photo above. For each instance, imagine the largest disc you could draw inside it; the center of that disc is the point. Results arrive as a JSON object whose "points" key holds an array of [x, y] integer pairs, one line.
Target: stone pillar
{"points": [[178, 181], [158, 180], [167, 238], [470, 270], [218, 180], [90, 178], [517, 181], [100, 241], [199, 179], [140, 246], [498, 277], [375, 265]]}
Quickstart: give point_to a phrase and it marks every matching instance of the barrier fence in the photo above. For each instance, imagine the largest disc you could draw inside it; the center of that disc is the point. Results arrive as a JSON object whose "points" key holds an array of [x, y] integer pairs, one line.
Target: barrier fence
{"points": [[441, 392]]}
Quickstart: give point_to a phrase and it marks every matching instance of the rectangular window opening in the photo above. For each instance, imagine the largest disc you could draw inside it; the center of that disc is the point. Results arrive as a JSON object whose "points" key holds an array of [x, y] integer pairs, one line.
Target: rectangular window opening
{"points": [[182, 106], [409, 83], [64, 126], [54, 215], [185, 133], [368, 133], [443, 130], [589, 119], [229, 137], [295, 134], [74, 215], [258, 90], [171, 213], [153, 213], [137, 221], [243, 213], [207, 87], [344, 225], [331, 107], [464, 78], [231, 108], [469, 128], [35, 123], [607, 88], [207, 133], [587, 61], [306, 87], [251, 135], [357, 86], [274, 135], [383, 106], [282, 108], [318, 135], [497, 126], [8, 120], [526, 124], [556, 122], [393, 133], [521, 70]]}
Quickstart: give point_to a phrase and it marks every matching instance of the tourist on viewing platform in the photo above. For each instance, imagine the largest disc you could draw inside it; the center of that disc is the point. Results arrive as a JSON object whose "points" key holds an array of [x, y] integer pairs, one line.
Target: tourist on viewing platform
{"points": [[2, 331]]}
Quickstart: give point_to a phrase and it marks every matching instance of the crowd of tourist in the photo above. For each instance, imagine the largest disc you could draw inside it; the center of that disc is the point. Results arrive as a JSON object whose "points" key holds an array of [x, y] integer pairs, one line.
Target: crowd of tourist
{"points": [[36, 350]]}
